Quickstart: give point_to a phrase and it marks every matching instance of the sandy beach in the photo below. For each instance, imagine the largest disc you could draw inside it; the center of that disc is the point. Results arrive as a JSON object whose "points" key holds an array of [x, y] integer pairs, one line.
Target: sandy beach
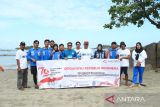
{"points": [[75, 97]]}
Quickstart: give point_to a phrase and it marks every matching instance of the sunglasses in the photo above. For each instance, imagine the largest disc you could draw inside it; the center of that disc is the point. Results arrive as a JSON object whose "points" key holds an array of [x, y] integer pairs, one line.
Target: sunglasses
{"points": [[69, 45], [36, 43]]}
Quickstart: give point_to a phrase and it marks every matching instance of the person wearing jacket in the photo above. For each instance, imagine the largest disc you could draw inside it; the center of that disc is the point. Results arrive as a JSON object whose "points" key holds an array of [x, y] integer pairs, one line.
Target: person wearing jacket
{"points": [[100, 53], [46, 51], [112, 52], [56, 53], [138, 55], [34, 55]]}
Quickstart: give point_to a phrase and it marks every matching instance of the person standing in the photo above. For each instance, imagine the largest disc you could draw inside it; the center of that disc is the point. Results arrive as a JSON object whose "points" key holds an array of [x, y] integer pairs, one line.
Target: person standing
{"points": [[123, 54], [46, 51], [22, 67], [78, 48], [100, 53], [69, 53], [112, 52], [86, 52], [61, 50], [138, 55], [56, 53], [34, 55], [51, 44], [61, 47]]}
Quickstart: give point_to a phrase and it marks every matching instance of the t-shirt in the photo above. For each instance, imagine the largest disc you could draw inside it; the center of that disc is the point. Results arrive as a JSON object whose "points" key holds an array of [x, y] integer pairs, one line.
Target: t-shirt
{"points": [[124, 53], [86, 53], [56, 56], [70, 54], [112, 53], [22, 57], [78, 52]]}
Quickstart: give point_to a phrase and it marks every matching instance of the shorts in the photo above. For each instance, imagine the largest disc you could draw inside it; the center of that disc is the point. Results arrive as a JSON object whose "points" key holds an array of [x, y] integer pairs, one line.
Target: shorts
{"points": [[124, 70]]}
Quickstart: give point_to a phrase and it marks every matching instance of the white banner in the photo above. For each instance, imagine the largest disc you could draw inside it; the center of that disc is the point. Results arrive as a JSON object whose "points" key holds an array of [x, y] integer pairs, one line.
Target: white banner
{"points": [[78, 73]]}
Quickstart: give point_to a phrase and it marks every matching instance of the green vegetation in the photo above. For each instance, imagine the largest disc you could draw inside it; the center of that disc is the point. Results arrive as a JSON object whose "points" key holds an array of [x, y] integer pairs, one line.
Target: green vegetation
{"points": [[135, 12]]}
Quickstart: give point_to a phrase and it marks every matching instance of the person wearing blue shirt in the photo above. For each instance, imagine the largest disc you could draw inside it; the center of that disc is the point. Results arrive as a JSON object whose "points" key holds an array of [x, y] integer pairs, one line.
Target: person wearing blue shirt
{"points": [[61, 50], [34, 55], [51, 44], [46, 51], [112, 52], [69, 53], [56, 53]]}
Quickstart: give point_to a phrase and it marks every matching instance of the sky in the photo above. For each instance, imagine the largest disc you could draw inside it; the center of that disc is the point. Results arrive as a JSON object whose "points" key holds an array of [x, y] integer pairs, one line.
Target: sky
{"points": [[64, 21]]}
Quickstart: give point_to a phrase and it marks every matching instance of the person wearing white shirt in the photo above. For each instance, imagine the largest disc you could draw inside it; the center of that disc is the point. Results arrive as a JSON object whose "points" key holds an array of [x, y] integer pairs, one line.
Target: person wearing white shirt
{"points": [[123, 55], [78, 48], [138, 55], [86, 53], [22, 67]]}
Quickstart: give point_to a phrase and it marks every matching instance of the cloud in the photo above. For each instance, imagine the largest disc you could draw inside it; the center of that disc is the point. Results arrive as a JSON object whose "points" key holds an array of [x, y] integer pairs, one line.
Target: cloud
{"points": [[64, 14]]}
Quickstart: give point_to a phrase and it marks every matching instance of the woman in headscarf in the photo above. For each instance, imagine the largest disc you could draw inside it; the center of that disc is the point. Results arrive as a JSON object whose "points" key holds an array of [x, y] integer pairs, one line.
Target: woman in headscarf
{"points": [[138, 55]]}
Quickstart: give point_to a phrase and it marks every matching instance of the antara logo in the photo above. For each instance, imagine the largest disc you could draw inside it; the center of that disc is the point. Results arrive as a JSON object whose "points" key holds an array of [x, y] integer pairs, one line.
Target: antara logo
{"points": [[111, 99]]}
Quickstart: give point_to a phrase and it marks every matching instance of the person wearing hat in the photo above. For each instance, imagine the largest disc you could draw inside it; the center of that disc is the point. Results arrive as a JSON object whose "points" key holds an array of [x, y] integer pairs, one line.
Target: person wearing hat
{"points": [[123, 54], [34, 55], [22, 67], [100, 53]]}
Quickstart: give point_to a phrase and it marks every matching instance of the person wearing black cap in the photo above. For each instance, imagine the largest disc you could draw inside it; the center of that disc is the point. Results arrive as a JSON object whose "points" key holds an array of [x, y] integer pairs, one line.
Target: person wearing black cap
{"points": [[22, 67], [100, 53], [123, 55]]}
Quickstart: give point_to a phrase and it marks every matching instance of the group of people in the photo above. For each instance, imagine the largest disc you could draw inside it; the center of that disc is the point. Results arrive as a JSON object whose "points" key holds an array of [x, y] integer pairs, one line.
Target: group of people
{"points": [[53, 51]]}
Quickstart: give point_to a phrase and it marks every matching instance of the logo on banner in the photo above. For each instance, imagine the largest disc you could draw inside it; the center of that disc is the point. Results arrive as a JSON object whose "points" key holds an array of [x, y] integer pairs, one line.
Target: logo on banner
{"points": [[111, 99], [44, 72]]}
